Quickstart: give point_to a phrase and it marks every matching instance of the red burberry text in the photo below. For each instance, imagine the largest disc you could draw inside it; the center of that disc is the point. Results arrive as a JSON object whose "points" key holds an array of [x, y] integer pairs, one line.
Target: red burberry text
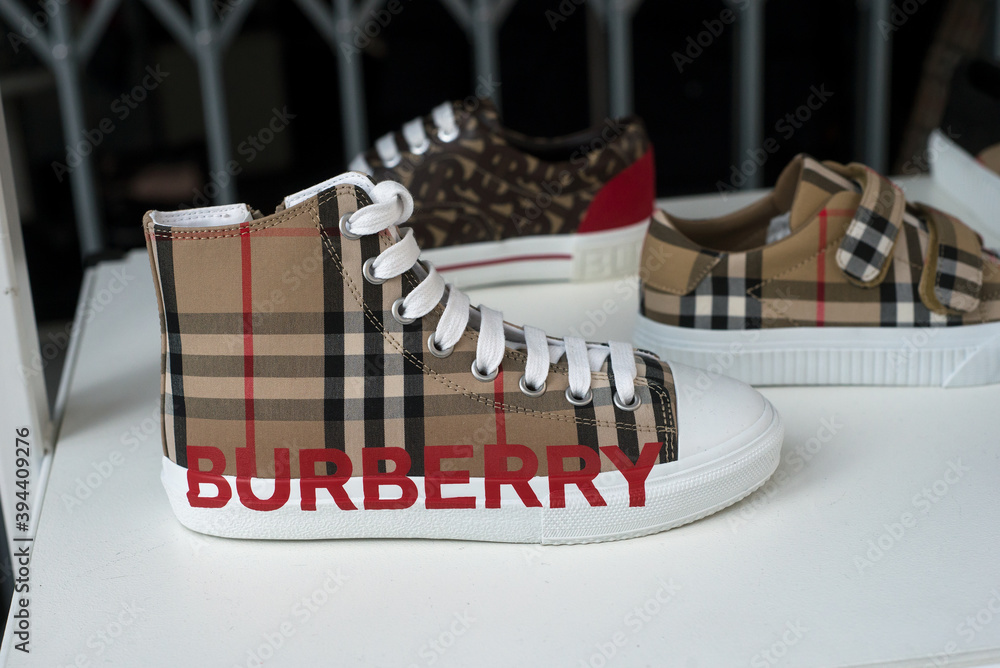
{"points": [[497, 473]]}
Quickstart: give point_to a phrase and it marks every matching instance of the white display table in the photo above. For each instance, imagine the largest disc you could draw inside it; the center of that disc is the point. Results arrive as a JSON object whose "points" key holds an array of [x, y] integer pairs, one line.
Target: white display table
{"points": [[877, 541]]}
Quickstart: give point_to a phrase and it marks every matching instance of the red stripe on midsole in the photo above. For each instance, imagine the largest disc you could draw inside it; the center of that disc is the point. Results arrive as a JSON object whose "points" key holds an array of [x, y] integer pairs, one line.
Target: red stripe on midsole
{"points": [[514, 258]]}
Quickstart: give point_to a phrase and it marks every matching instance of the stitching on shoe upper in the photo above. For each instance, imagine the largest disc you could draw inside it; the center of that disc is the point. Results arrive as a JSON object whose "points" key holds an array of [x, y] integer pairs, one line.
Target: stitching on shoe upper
{"points": [[197, 235], [811, 258], [693, 283], [327, 244]]}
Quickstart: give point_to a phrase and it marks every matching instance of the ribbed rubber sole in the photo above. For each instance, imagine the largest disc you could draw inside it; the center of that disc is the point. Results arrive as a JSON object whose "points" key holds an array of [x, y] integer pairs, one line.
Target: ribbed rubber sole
{"points": [[960, 356], [676, 493], [592, 256]]}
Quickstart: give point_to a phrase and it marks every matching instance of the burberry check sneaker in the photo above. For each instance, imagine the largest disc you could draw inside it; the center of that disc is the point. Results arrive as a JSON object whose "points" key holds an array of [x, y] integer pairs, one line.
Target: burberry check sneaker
{"points": [[832, 278], [965, 152], [494, 206], [321, 382]]}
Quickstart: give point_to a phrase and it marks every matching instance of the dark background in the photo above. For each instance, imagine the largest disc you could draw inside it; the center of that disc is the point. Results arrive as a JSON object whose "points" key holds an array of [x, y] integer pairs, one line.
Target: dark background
{"points": [[156, 157]]}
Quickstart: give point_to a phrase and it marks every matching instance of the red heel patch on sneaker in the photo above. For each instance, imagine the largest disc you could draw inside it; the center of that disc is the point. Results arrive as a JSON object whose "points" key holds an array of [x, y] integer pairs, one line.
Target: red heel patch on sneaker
{"points": [[626, 199]]}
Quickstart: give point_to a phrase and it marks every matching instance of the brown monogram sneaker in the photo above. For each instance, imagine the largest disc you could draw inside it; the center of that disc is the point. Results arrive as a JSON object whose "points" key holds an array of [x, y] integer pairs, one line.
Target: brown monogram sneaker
{"points": [[832, 278], [494, 206], [321, 382]]}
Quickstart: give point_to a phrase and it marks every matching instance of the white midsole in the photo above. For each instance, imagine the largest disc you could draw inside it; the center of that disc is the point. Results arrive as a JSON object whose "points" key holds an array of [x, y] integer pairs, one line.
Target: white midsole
{"points": [[939, 356], [589, 256], [676, 493]]}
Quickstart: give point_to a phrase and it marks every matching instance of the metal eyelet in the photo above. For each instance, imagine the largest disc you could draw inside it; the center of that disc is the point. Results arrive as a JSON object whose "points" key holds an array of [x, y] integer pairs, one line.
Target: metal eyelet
{"points": [[345, 228], [398, 315], [523, 384], [422, 148], [448, 137], [579, 401], [368, 270], [636, 402], [437, 352], [479, 375]]}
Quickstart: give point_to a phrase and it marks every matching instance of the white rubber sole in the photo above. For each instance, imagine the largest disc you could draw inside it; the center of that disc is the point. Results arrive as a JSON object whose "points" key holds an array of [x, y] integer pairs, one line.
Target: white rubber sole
{"points": [[961, 356], [966, 179], [676, 493], [591, 256]]}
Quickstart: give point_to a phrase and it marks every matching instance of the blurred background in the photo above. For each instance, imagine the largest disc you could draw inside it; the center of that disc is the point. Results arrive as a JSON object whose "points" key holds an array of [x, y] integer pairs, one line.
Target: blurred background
{"points": [[107, 101]]}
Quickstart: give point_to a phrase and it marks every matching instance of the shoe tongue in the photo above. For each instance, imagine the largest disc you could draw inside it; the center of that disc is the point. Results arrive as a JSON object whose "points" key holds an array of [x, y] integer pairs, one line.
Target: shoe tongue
{"points": [[363, 181], [804, 187]]}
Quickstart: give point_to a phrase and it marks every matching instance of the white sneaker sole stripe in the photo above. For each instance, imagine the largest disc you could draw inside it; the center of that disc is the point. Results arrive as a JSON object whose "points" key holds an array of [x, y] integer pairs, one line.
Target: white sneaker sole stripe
{"points": [[591, 256], [966, 355]]}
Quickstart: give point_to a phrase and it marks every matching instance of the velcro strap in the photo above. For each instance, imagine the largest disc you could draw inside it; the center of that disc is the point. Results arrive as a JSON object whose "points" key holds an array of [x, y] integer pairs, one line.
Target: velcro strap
{"points": [[953, 273], [866, 251]]}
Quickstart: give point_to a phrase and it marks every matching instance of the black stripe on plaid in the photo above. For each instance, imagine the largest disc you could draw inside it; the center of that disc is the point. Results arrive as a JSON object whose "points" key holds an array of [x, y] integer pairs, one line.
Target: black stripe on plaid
{"points": [[663, 412], [752, 284], [173, 366], [414, 409], [949, 286], [628, 439], [867, 245], [586, 429], [333, 336], [711, 304], [375, 358]]}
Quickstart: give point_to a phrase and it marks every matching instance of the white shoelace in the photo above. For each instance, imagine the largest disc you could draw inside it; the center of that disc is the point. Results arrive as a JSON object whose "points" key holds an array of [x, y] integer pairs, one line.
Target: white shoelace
{"points": [[392, 205], [415, 136]]}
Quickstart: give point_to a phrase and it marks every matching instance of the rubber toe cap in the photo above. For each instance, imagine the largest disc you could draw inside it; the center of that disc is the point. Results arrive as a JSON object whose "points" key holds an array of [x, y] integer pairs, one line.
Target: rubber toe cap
{"points": [[715, 411]]}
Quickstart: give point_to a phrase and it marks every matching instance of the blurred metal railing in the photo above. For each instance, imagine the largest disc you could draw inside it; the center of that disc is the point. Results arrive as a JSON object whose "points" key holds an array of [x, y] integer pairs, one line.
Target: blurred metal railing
{"points": [[207, 33]]}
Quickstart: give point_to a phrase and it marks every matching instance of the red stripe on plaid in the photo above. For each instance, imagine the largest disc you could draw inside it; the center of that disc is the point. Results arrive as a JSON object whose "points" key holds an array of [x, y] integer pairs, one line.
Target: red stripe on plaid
{"points": [[498, 402], [248, 343], [821, 271]]}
